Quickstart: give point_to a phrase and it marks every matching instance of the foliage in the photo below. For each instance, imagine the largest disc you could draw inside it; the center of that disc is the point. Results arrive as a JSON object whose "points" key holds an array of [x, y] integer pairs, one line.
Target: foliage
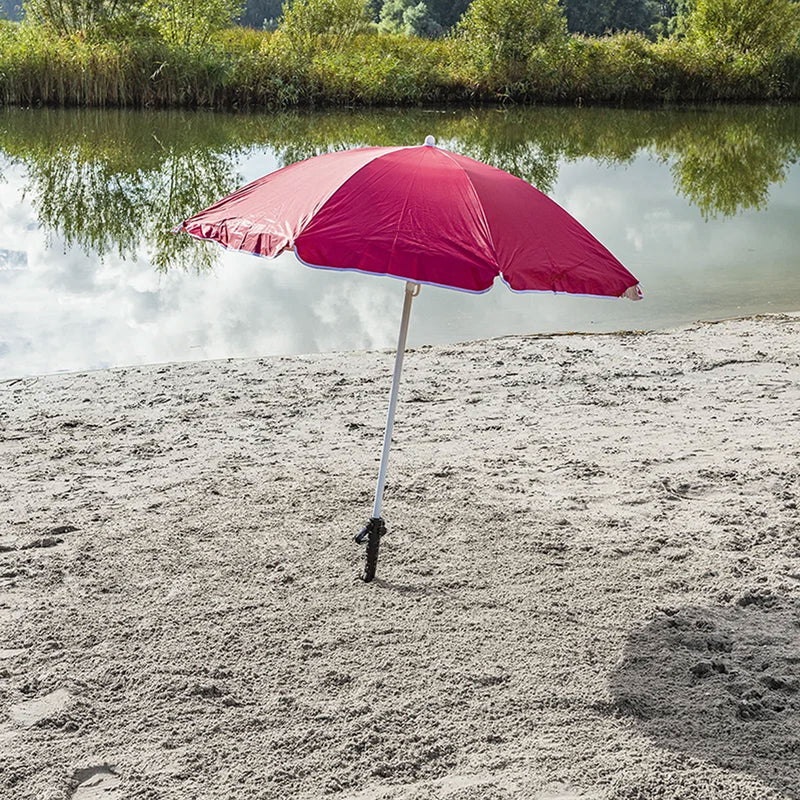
{"points": [[419, 22], [37, 67], [596, 18], [332, 24], [104, 18], [374, 70], [499, 36], [240, 42], [180, 22], [406, 16], [671, 19], [745, 25], [391, 16], [11, 9], [623, 66], [245, 69], [447, 12], [257, 12]]}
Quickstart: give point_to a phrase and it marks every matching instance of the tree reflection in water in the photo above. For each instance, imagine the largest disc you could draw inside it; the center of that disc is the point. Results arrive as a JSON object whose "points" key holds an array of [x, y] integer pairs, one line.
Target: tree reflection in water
{"points": [[726, 161], [118, 181]]}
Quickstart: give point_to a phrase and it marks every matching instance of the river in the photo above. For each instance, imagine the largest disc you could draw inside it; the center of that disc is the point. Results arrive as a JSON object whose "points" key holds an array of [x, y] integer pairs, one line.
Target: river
{"points": [[701, 204]]}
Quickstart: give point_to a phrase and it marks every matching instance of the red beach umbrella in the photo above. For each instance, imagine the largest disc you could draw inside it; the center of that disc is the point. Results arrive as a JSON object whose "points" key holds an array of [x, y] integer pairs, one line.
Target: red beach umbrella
{"points": [[421, 214]]}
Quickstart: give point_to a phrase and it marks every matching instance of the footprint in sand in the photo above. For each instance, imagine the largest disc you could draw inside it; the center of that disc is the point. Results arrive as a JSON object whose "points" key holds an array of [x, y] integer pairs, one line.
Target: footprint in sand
{"points": [[30, 713], [96, 783]]}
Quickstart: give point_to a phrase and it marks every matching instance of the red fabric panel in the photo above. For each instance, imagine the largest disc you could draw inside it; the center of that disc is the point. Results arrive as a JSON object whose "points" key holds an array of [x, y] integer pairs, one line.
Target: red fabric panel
{"points": [[537, 244], [266, 216], [419, 213], [412, 214]]}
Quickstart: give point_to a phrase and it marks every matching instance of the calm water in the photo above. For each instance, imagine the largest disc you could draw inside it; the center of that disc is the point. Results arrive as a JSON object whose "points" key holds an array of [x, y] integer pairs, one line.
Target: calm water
{"points": [[702, 205]]}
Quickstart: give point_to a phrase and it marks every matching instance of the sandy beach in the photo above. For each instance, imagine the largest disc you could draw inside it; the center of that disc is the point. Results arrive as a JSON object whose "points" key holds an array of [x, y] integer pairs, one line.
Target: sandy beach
{"points": [[590, 586]]}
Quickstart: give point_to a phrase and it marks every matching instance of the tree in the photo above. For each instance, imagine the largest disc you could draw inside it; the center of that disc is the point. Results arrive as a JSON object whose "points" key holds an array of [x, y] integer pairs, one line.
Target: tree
{"points": [[447, 12], [744, 25], [176, 21], [335, 22], [596, 18], [406, 16], [502, 34], [671, 19], [257, 12], [180, 21], [86, 16]]}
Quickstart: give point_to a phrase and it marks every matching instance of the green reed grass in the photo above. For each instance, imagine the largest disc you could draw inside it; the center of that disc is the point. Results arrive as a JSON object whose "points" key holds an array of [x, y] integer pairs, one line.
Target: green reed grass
{"points": [[251, 69]]}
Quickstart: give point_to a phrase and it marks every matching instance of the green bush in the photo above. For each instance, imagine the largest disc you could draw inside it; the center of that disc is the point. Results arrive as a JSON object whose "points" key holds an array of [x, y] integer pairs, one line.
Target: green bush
{"points": [[619, 68], [330, 24], [72, 16], [498, 37], [409, 17], [240, 41], [175, 21], [384, 70], [745, 25], [374, 70], [179, 22], [307, 62], [99, 20]]}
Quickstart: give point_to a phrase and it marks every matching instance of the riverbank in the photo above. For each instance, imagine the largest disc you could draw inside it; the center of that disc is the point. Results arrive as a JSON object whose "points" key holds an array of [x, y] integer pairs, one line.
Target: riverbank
{"points": [[589, 588], [250, 70]]}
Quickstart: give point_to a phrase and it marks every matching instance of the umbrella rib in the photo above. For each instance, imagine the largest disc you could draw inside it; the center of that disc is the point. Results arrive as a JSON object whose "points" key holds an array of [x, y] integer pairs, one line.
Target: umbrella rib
{"points": [[399, 222], [545, 249], [249, 188], [487, 229], [385, 151]]}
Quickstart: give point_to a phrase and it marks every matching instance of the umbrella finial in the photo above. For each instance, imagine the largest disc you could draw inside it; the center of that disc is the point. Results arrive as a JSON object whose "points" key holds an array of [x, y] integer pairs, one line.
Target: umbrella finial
{"points": [[430, 141]]}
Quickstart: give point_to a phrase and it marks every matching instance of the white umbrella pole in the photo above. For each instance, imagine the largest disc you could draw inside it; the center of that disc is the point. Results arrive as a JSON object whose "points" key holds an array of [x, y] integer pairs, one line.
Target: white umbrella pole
{"points": [[412, 290]]}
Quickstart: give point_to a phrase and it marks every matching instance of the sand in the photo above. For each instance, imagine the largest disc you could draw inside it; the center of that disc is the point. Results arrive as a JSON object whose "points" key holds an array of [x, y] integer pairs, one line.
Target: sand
{"points": [[590, 586]]}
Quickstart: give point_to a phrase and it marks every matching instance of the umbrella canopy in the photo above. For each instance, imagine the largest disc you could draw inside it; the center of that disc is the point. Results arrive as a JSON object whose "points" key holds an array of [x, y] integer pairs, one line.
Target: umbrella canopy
{"points": [[422, 214]]}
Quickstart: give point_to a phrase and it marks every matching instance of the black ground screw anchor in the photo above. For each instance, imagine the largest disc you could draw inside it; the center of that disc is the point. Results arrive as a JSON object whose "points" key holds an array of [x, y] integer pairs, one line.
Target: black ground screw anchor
{"points": [[372, 532]]}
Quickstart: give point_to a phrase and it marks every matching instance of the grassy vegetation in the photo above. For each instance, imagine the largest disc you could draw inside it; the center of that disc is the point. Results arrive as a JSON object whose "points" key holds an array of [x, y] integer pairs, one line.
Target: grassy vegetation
{"points": [[245, 69]]}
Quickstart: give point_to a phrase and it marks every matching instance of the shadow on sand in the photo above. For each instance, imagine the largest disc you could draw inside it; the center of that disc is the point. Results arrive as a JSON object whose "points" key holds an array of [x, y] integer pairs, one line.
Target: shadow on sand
{"points": [[720, 684]]}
